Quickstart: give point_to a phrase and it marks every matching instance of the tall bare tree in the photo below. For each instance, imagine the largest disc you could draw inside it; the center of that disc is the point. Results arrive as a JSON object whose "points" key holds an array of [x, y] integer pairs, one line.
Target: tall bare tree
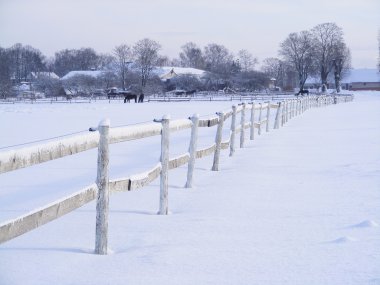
{"points": [[123, 57], [246, 60], [342, 63], [218, 60], [191, 56], [378, 59], [298, 51], [146, 58], [23, 60], [5, 74], [75, 59], [327, 38], [274, 68]]}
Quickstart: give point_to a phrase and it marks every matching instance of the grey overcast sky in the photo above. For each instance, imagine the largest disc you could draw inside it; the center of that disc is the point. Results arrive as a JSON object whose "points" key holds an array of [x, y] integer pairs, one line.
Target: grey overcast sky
{"points": [[256, 25]]}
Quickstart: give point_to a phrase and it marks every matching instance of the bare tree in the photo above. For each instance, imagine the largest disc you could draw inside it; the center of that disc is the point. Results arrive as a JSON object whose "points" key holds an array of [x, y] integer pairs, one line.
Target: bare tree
{"points": [[274, 68], [75, 59], [327, 37], [123, 57], [378, 59], [5, 74], [297, 50], [191, 56], [219, 61], [246, 60], [146, 57], [341, 62], [23, 60]]}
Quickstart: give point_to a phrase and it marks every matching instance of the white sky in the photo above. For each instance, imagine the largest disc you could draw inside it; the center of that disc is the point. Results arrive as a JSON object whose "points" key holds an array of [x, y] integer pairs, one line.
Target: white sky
{"points": [[256, 25]]}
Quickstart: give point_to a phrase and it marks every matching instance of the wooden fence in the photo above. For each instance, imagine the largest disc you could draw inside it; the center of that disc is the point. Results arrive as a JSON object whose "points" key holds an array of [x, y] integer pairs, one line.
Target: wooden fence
{"points": [[254, 116]]}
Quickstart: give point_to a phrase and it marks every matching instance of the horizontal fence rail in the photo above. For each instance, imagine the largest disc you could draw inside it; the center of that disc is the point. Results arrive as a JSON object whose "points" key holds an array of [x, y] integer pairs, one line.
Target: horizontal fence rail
{"points": [[253, 116]]}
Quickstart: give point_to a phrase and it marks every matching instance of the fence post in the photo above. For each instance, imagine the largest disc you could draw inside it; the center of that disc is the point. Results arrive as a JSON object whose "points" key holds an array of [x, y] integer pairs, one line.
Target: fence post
{"points": [[293, 108], [287, 111], [102, 202], [252, 130], [268, 113], [218, 141], [242, 125], [277, 119], [192, 150], [298, 107], [233, 131], [260, 112], [164, 209]]}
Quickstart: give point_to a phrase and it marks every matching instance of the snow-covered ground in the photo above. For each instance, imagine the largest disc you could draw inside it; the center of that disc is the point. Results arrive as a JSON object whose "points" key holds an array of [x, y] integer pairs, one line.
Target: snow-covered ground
{"points": [[298, 205]]}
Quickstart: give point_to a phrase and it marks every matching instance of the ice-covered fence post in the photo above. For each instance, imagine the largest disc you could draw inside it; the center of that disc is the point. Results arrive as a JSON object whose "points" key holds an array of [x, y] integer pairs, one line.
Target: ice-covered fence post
{"points": [[242, 126], [102, 203], [287, 111], [268, 113], [252, 130], [294, 106], [260, 112], [277, 119], [164, 209], [302, 105], [192, 150], [218, 142], [298, 111], [233, 131]]}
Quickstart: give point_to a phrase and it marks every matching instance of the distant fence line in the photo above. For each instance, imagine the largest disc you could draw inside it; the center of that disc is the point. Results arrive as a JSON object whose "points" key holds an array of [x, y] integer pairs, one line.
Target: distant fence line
{"points": [[199, 96], [259, 117]]}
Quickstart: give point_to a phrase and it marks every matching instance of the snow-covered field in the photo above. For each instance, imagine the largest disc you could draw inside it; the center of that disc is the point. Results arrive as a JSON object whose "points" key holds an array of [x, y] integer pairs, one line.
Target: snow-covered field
{"points": [[298, 205]]}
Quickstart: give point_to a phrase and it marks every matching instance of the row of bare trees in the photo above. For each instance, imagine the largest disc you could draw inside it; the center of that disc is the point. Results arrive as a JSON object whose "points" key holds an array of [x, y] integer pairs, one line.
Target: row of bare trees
{"points": [[320, 52]]}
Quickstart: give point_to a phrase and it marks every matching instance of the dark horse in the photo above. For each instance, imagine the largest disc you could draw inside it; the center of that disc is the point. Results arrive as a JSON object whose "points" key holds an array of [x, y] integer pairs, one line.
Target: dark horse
{"points": [[128, 96], [141, 98], [303, 91]]}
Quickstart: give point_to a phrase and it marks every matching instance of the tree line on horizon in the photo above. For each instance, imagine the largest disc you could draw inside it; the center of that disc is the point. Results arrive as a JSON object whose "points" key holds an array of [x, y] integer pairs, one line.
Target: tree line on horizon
{"points": [[320, 53]]}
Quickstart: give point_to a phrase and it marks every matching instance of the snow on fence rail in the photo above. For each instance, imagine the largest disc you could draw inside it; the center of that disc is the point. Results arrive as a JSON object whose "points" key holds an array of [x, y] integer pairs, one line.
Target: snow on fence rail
{"points": [[16, 159]]}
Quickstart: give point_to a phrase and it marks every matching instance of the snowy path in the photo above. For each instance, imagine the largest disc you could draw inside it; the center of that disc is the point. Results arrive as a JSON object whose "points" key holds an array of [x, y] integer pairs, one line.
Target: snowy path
{"points": [[299, 205]]}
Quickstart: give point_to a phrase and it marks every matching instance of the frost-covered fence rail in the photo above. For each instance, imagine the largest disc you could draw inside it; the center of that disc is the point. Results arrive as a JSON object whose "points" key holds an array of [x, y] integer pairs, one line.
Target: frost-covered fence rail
{"points": [[253, 116]]}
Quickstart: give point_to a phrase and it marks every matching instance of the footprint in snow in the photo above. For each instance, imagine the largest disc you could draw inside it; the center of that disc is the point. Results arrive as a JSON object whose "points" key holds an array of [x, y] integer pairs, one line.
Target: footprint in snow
{"points": [[341, 240], [365, 224]]}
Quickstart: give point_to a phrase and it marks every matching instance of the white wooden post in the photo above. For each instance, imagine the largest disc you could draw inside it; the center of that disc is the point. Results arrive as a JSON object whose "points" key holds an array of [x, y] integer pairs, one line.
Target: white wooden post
{"points": [[164, 209], [293, 108], [260, 112], [192, 150], [102, 181], [287, 111], [303, 105], [218, 141], [298, 107], [282, 113], [233, 131], [277, 119], [252, 129], [242, 126], [268, 113]]}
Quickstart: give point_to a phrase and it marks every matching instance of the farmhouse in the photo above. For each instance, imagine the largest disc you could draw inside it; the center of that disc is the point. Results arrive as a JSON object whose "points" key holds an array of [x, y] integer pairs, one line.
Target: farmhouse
{"points": [[362, 79], [355, 79]]}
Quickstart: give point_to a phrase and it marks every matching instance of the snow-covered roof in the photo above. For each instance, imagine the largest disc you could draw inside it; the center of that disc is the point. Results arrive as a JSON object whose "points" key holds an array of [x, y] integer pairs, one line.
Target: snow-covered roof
{"points": [[167, 72], [40, 74], [362, 75], [93, 73]]}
